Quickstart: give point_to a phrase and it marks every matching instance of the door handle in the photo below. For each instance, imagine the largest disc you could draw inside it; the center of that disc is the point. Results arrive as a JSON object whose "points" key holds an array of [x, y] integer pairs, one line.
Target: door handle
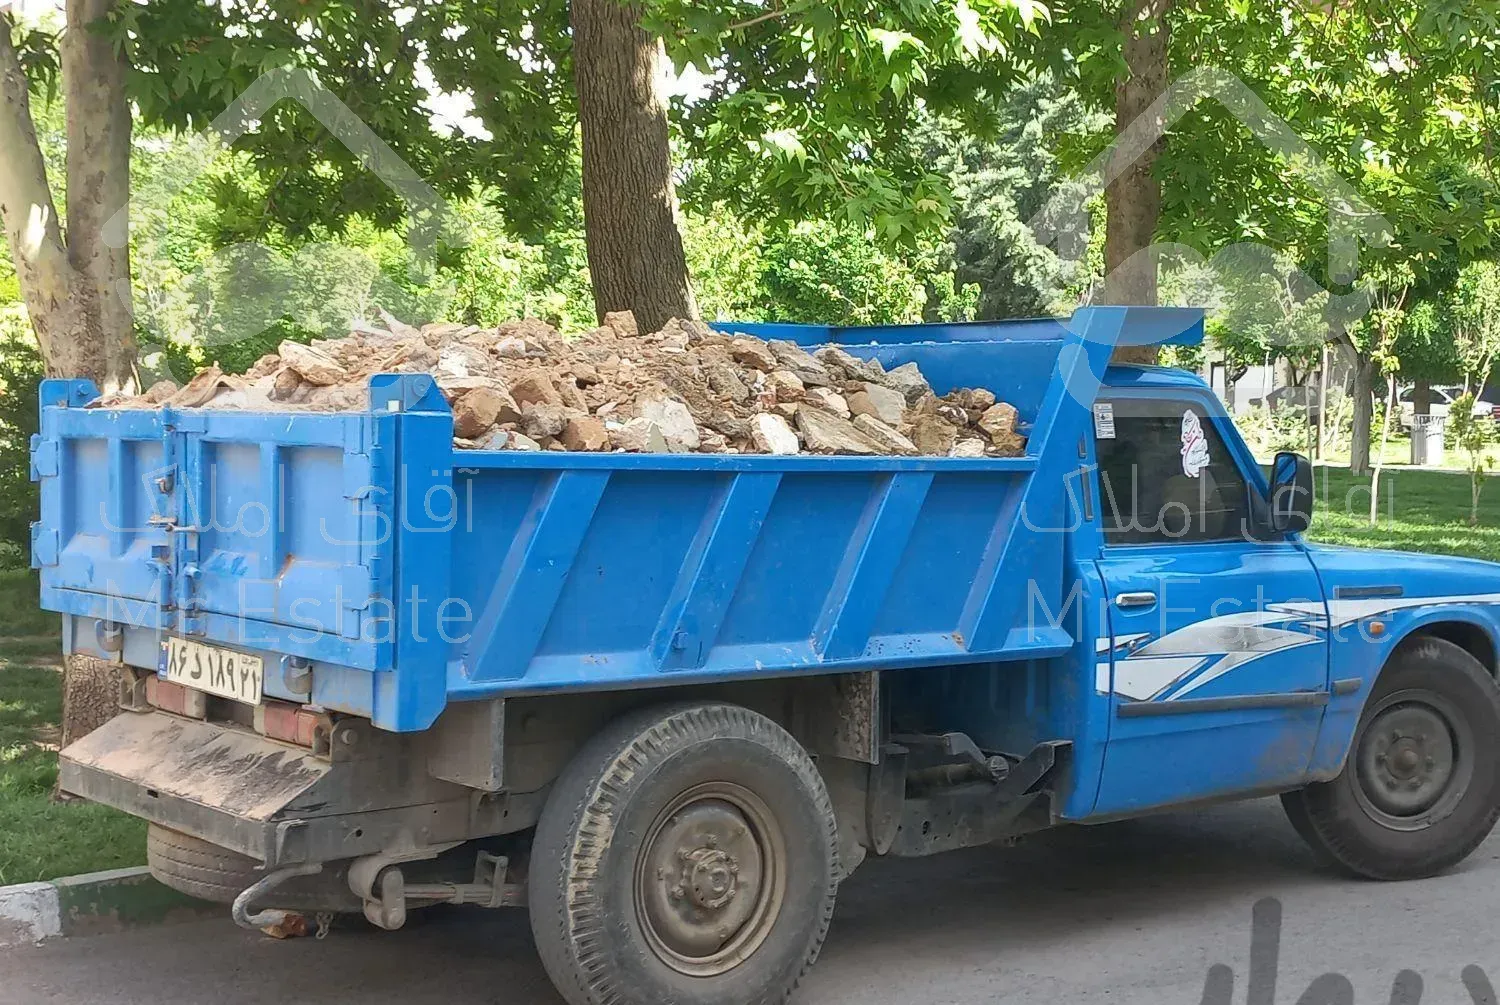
{"points": [[1142, 598]]}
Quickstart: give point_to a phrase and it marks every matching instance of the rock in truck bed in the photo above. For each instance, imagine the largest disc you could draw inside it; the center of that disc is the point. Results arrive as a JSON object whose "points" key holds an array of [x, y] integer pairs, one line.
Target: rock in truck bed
{"points": [[685, 388]]}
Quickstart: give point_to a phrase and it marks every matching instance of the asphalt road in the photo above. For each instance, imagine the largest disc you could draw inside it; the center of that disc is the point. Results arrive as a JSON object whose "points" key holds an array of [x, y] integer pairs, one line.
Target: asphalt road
{"points": [[1134, 912]]}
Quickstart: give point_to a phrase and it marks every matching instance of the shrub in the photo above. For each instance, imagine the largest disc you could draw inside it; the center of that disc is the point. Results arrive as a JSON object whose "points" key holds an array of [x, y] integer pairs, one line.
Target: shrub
{"points": [[20, 373]]}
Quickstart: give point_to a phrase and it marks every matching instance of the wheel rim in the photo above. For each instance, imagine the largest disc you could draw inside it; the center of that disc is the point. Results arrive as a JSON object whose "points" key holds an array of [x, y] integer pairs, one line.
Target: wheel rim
{"points": [[1413, 760], [709, 879]]}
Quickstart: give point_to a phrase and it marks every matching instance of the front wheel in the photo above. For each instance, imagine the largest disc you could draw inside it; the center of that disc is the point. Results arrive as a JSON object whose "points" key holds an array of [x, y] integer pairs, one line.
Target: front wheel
{"points": [[687, 853], [1421, 786]]}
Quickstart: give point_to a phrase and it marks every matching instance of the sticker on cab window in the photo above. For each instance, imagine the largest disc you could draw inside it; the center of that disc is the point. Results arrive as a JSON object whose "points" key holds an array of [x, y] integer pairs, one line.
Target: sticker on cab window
{"points": [[1194, 445], [1104, 420]]}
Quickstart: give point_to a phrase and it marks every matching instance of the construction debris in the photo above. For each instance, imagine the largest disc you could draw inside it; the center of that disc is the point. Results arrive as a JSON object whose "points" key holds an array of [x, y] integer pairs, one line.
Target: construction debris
{"points": [[686, 388]]}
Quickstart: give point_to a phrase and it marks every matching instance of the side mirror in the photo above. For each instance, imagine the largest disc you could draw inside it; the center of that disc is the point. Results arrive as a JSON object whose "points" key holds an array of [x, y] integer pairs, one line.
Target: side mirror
{"points": [[1291, 493]]}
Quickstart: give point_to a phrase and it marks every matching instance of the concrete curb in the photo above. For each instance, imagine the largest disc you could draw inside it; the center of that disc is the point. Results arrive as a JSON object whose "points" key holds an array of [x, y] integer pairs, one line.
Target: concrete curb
{"points": [[93, 904]]}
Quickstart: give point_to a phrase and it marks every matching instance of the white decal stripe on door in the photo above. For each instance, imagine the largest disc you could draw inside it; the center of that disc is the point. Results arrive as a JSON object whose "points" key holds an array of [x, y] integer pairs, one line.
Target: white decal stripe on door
{"points": [[1235, 660], [1163, 669], [1142, 679]]}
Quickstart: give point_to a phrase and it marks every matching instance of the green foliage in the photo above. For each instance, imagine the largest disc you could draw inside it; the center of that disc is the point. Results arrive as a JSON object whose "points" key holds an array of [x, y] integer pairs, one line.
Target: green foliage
{"points": [[836, 275], [1474, 320], [1265, 309], [1269, 430], [724, 256], [37, 51], [497, 278], [809, 103], [1000, 183], [20, 374], [947, 301], [805, 112], [1473, 434], [1424, 344]]}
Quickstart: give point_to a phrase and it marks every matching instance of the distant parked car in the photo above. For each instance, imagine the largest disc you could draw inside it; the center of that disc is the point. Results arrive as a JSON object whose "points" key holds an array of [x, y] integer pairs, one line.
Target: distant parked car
{"points": [[1440, 401]]}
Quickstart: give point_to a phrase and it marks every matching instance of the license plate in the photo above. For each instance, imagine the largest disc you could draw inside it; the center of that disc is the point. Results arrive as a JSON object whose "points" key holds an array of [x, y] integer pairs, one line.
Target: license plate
{"points": [[223, 672]]}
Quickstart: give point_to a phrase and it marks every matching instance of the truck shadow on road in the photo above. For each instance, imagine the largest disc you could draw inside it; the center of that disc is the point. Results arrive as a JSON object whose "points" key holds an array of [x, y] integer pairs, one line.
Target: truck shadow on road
{"points": [[1128, 872], [900, 925]]}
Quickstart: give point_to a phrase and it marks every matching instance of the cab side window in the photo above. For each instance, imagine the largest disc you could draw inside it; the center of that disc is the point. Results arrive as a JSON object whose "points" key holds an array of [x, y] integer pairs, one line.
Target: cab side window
{"points": [[1166, 476]]}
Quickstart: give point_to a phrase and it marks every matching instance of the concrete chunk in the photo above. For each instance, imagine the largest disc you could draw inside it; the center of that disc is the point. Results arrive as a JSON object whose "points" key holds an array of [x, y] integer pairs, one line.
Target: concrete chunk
{"points": [[878, 402], [824, 433], [313, 365], [892, 441], [772, 435], [675, 422]]}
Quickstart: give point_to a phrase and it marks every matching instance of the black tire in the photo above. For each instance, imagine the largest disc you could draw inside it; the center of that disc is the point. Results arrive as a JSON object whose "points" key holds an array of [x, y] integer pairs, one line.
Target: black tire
{"points": [[204, 870], [1421, 786], [198, 868], [617, 920]]}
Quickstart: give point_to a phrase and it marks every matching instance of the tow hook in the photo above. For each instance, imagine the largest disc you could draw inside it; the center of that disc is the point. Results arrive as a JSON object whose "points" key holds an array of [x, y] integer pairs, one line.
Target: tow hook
{"points": [[265, 919]]}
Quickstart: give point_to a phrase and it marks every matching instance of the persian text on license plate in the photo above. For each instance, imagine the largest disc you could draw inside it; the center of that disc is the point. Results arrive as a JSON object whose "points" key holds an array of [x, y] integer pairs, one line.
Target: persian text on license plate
{"points": [[223, 672]]}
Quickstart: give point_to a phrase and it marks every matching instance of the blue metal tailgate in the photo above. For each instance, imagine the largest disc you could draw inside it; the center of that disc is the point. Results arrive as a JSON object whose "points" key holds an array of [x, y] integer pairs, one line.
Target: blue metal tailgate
{"points": [[268, 531]]}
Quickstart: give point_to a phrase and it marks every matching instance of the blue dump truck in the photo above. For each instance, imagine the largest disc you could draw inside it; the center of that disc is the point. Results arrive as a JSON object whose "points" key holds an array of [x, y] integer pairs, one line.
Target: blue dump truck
{"points": [[669, 702]]}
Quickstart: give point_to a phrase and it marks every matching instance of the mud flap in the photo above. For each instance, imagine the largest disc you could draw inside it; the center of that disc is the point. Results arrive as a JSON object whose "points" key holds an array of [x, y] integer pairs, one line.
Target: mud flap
{"points": [[217, 783]]}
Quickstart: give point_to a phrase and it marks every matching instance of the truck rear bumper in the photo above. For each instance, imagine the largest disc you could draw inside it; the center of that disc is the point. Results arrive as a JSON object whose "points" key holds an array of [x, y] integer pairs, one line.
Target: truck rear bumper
{"points": [[224, 785], [277, 803]]}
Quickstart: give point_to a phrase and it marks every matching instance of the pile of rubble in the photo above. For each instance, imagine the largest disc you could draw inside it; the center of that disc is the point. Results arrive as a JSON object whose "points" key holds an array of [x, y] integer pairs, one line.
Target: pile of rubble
{"points": [[686, 388]]}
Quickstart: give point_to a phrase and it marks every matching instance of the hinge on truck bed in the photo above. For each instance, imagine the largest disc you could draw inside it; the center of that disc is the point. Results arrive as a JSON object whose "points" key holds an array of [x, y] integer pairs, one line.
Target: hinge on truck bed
{"points": [[44, 545], [44, 457]]}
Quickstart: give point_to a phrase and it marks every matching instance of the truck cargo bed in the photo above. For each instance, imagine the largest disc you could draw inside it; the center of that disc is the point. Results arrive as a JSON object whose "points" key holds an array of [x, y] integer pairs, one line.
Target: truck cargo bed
{"points": [[362, 547]]}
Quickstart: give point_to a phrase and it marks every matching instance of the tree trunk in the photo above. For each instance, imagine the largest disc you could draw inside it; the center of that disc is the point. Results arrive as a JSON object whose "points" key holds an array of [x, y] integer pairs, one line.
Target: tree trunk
{"points": [[1133, 196], [98, 193], [1322, 444], [1364, 414], [75, 282], [1385, 432], [635, 251]]}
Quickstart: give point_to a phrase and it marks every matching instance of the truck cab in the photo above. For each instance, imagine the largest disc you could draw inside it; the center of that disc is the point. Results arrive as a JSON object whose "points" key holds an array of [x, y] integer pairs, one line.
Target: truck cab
{"points": [[1216, 644], [1239, 654], [688, 694]]}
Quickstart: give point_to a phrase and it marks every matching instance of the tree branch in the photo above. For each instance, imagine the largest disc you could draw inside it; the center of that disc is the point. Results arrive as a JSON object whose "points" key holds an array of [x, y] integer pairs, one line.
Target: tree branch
{"points": [[758, 19]]}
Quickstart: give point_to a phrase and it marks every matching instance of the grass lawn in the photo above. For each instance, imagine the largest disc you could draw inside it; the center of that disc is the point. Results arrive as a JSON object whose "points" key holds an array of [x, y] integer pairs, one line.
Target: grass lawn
{"points": [[39, 838], [1418, 510]]}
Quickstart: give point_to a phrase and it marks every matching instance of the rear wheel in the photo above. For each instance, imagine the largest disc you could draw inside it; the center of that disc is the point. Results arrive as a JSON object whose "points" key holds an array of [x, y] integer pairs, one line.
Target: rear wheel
{"points": [[688, 853], [1421, 787]]}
